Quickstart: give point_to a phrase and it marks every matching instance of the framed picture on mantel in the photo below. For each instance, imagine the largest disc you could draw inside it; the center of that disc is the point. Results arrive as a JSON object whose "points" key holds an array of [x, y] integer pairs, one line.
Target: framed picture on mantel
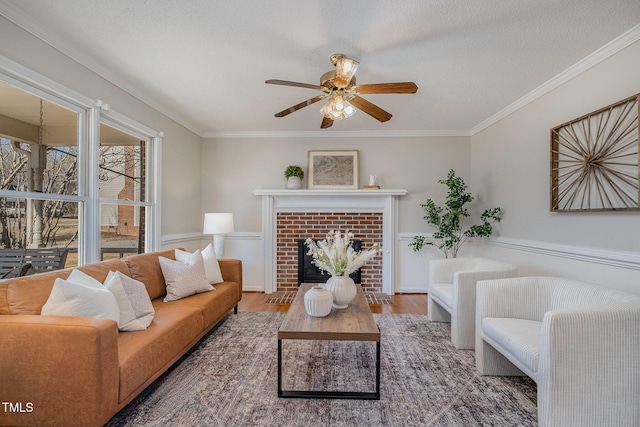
{"points": [[336, 169]]}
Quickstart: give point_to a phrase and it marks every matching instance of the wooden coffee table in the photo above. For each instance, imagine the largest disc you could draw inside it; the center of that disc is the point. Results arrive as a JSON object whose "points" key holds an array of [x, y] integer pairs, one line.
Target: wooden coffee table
{"points": [[354, 323]]}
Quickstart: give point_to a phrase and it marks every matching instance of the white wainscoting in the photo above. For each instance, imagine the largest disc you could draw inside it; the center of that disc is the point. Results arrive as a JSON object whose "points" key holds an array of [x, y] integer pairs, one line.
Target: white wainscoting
{"points": [[412, 274], [247, 246]]}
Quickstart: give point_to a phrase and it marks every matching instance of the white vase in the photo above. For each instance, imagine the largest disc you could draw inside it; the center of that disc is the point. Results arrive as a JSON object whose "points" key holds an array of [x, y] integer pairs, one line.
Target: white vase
{"points": [[294, 183], [318, 301], [343, 290]]}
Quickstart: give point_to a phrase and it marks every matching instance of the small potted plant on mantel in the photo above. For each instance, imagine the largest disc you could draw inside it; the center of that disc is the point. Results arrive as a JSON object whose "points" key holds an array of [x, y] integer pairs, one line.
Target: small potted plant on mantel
{"points": [[294, 175]]}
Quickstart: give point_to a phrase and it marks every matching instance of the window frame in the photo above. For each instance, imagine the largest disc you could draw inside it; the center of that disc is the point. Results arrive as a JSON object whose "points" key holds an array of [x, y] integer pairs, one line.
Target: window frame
{"points": [[91, 113]]}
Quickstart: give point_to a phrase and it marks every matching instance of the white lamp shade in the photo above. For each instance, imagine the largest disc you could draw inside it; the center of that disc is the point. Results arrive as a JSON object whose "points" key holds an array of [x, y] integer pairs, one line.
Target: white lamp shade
{"points": [[218, 223]]}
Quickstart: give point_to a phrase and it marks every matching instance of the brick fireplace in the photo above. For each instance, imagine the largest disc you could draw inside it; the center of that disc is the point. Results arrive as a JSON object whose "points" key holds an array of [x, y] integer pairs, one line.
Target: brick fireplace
{"points": [[292, 226], [289, 215]]}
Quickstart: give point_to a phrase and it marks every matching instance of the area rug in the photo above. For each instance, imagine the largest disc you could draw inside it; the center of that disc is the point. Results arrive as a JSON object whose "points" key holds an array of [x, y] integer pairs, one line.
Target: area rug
{"points": [[230, 379], [373, 298]]}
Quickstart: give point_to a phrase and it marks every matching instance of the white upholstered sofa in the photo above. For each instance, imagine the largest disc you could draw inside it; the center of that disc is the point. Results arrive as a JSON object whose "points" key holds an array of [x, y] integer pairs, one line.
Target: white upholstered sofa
{"points": [[452, 293], [580, 343]]}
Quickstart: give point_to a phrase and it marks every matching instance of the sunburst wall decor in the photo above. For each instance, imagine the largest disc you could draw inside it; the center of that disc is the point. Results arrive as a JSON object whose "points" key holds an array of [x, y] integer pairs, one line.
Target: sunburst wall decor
{"points": [[594, 160]]}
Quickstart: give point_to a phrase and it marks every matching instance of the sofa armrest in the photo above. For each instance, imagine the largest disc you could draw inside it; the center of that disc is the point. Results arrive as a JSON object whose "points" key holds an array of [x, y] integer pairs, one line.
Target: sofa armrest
{"points": [[231, 270], [589, 359], [58, 369]]}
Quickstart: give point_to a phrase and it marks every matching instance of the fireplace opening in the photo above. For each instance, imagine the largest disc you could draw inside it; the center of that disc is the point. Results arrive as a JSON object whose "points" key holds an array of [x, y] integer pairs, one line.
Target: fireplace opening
{"points": [[309, 273]]}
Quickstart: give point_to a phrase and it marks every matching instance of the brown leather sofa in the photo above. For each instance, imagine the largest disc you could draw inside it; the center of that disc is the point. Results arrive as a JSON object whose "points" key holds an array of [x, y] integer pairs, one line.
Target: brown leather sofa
{"points": [[80, 371]]}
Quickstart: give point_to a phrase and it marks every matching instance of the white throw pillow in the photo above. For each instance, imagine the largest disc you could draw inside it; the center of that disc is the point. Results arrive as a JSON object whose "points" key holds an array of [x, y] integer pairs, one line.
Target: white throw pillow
{"points": [[211, 265], [184, 278], [81, 278], [83, 296], [136, 309]]}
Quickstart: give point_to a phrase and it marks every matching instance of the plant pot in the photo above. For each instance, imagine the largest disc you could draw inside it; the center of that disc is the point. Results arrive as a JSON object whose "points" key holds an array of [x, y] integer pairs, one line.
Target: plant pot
{"points": [[318, 301], [343, 290], [294, 183]]}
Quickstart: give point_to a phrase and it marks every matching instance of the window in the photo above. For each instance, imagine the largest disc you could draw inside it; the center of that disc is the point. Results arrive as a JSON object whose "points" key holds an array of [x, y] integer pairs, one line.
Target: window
{"points": [[122, 185], [72, 174]]}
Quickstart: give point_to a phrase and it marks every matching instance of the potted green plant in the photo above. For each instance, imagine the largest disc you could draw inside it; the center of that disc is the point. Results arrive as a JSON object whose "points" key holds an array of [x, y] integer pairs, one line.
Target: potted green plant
{"points": [[450, 219], [294, 175]]}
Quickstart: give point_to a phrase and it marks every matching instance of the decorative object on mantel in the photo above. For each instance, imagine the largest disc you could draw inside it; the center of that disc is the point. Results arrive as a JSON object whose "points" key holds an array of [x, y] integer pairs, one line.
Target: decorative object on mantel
{"points": [[451, 222], [336, 256], [337, 169], [318, 301], [594, 160], [294, 175], [372, 183]]}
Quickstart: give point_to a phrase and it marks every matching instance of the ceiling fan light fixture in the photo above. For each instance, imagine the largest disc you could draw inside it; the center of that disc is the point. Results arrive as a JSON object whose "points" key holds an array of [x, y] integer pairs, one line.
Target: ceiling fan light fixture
{"points": [[349, 110], [326, 109], [345, 70], [338, 103], [337, 107]]}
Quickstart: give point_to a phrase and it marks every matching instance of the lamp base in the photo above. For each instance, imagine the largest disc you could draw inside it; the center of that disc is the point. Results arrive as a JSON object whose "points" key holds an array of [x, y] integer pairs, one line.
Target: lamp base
{"points": [[218, 245]]}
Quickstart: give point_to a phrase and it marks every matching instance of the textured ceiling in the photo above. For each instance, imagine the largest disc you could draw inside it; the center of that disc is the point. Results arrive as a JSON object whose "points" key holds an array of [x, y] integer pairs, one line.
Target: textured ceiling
{"points": [[204, 62]]}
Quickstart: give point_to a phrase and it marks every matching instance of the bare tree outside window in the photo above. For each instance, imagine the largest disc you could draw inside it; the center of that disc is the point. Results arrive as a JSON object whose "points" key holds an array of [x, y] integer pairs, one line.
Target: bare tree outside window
{"points": [[36, 222], [39, 170]]}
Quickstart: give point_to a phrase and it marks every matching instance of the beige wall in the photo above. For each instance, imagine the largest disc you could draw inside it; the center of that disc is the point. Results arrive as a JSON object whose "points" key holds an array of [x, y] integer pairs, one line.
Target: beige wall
{"points": [[181, 183], [233, 167], [510, 168]]}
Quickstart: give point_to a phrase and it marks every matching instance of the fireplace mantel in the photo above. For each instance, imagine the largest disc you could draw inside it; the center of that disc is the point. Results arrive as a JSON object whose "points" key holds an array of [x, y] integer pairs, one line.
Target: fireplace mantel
{"points": [[314, 193], [281, 200]]}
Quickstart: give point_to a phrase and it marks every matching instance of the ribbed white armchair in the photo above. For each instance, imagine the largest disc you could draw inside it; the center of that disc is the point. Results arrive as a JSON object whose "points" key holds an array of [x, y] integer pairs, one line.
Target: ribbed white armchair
{"points": [[452, 293], [580, 343]]}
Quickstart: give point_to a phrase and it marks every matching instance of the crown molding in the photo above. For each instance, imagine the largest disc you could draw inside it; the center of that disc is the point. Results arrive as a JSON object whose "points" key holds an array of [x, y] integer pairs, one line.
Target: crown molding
{"points": [[339, 134], [609, 49]]}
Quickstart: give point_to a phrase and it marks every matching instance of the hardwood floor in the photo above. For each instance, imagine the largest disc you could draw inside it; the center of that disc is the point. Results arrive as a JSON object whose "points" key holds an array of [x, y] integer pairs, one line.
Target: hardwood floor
{"points": [[402, 304]]}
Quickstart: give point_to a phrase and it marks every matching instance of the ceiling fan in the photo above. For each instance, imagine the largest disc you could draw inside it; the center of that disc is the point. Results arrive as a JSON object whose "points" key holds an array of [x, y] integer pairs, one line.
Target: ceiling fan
{"points": [[340, 87]]}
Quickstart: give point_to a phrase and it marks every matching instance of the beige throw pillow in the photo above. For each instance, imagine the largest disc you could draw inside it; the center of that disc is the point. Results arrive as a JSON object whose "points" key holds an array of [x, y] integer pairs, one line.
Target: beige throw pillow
{"points": [[211, 265], [136, 309], [184, 278]]}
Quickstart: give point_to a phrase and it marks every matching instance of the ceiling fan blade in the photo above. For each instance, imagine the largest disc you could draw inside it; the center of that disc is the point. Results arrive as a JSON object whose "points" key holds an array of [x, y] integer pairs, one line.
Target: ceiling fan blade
{"points": [[326, 123], [300, 105], [402, 87], [296, 84], [371, 109]]}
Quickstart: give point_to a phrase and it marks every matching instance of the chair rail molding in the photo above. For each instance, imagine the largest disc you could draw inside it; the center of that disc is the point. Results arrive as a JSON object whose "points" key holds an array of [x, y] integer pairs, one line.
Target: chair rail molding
{"points": [[614, 258], [169, 239], [282, 200]]}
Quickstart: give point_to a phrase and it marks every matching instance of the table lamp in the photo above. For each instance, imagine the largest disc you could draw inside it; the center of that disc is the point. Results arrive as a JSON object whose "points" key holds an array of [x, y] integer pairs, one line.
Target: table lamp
{"points": [[218, 224]]}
